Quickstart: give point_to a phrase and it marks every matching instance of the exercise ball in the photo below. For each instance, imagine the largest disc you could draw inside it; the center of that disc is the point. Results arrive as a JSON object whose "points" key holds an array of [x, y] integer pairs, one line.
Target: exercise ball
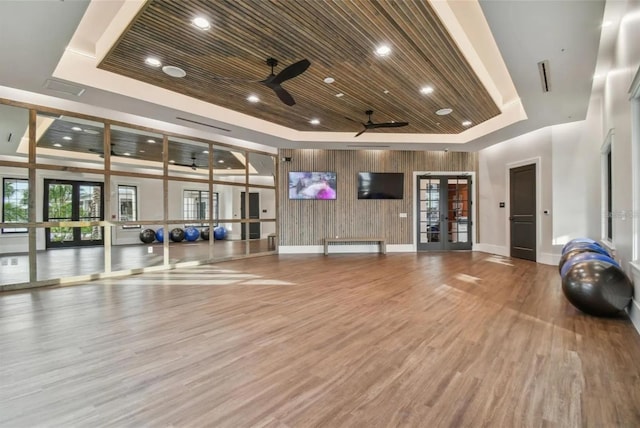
{"points": [[579, 241], [219, 233], [160, 235], [205, 234], [597, 287], [191, 234], [176, 235], [579, 249], [147, 236], [584, 257]]}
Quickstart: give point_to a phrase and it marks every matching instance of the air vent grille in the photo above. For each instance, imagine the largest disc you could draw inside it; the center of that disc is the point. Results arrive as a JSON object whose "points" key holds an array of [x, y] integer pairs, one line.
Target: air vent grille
{"points": [[63, 87], [545, 75], [202, 123]]}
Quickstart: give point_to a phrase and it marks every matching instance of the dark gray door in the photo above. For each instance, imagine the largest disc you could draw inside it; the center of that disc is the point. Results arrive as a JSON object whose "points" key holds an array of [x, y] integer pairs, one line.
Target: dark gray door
{"points": [[523, 212], [254, 213], [444, 213]]}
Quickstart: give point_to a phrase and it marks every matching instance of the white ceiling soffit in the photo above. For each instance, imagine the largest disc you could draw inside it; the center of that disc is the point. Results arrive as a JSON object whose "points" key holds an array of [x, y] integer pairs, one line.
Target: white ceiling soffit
{"points": [[464, 20]]}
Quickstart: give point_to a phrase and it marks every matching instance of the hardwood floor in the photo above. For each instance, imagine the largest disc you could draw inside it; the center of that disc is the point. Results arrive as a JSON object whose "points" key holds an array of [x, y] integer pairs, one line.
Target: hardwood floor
{"points": [[425, 340]]}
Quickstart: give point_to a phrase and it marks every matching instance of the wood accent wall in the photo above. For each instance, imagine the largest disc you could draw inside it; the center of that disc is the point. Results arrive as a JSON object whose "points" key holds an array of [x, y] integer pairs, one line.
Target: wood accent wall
{"points": [[308, 222]]}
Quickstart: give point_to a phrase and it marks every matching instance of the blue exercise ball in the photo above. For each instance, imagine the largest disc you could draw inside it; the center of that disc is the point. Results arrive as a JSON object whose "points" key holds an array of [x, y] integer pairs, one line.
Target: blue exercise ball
{"points": [[205, 234], [586, 257], [176, 235], [191, 234], [147, 236], [219, 233], [579, 241], [160, 235], [579, 249], [597, 287]]}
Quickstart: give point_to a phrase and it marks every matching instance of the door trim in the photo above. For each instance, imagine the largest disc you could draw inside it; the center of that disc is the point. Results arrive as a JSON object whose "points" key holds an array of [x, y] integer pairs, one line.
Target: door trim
{"points": [[538, 163], [414, 205]]}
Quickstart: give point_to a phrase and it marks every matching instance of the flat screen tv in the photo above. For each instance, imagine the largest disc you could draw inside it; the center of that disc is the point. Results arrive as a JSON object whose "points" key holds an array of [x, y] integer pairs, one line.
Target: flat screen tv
{"points": [[380, 185], [312, 185]]}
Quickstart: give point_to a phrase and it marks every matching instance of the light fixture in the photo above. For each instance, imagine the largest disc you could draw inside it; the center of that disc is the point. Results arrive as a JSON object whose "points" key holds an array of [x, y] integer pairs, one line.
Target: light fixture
{"points": [[172, 161], [314, 121], [127, 154], [66, 137], [383, 50], [329, 80], [444, 111], [91, 131], [153, 62], [151, 141], [174, 71], [205, 151], [57, 145], [466, 123], [339, 95], [201, 23], [253, 98], [386, 91], [221, 161], [141, 151], [76, 128], [426, 90]]}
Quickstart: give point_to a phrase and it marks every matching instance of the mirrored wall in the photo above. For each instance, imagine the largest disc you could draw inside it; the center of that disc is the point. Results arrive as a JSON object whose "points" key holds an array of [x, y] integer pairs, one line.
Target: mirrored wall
{"points": [[102, 198]]}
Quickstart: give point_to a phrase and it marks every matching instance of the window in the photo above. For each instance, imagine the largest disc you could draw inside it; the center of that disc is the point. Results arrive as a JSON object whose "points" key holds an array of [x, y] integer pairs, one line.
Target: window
{"points": [[15, 203], [196, 207], [128, 205]]}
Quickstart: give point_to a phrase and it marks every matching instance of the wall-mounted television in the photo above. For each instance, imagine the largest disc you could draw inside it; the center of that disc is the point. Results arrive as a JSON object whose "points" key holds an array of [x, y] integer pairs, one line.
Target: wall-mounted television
{"points": [[380, 185], [312, 185]]}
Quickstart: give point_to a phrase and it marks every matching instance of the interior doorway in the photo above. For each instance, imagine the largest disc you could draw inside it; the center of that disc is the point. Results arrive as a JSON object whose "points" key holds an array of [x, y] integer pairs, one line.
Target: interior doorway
{"points": [[444, 213], [254, 213], [522, 214], [66, 200]]}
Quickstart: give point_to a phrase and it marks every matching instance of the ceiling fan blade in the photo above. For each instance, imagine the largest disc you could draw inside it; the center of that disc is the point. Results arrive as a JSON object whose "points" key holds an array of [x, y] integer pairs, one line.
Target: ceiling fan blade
{"points": [[361, 132], [291, 71], [389, 125], [284, 96]]}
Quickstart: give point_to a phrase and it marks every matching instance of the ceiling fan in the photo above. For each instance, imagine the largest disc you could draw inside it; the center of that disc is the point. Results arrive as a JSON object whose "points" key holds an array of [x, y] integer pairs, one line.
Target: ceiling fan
{"points": [[193, 165], [370, 125], [274, 81], [112, 152]]}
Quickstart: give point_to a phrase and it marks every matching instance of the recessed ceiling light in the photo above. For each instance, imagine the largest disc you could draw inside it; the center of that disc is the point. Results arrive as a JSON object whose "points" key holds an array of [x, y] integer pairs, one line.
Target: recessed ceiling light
{"points": [[66, 137], [339, 95], [426, 90], [329, 80], [383, 50], [466, 123], [174, 71], [444, 111], [127, 154], [91, 131], [57, 145], [253, 98], [153, 62], [205, 151], [221, 161], [172, 161], [386, 91], [76, 128], [141, 151], [201, 23], [314, 121]]}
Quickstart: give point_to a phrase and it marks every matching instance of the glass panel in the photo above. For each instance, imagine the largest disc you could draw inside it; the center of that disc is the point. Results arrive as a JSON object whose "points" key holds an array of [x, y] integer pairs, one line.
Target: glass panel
{"points": [[68, 262], [262, 206], [14, 123], [458, 211], [188, 158], [128, 205], [262, 169], [90, 209], [76, 142], [228, 165], [14, 242], [229, 197], [60, 209], [133, 150], [15, 200]]}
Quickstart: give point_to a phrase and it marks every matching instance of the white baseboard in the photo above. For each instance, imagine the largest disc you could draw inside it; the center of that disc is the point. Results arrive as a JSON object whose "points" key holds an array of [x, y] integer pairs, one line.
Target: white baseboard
{"points": [[401, 248], [549, 259], [634, 308], [634, 314], [491, 249], [300, 249]]}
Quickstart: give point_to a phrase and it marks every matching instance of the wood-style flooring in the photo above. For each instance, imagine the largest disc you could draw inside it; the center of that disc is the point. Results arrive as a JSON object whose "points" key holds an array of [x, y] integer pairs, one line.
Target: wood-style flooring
{"points": [[415, 340]]}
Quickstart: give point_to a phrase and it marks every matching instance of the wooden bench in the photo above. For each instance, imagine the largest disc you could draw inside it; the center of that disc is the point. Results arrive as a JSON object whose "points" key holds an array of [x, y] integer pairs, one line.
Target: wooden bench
{"points": [[381, 241]]}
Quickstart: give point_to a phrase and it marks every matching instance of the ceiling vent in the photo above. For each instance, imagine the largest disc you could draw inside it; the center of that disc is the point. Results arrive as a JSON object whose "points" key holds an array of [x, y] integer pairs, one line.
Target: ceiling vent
{"points": [[63, 87], [545, 75], [202, 123]]}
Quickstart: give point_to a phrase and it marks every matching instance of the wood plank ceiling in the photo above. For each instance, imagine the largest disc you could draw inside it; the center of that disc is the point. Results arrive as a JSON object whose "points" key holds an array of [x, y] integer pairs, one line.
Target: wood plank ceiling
{"points": [[339, 38]]}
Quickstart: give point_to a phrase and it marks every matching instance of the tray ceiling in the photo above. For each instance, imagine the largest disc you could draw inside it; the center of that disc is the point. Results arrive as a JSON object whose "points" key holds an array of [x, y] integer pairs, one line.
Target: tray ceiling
{"points": [[338, 38]]}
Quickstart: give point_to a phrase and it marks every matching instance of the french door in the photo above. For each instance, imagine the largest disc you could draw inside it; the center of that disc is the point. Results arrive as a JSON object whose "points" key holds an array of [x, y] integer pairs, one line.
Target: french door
{"points": [[66, 201], [444, 213]]}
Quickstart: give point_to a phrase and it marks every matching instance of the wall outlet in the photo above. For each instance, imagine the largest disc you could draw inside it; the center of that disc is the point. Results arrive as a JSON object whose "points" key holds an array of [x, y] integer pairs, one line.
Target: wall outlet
{"points": [[150, 250]]}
